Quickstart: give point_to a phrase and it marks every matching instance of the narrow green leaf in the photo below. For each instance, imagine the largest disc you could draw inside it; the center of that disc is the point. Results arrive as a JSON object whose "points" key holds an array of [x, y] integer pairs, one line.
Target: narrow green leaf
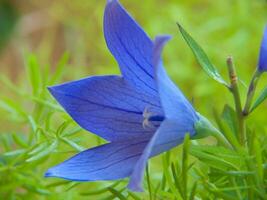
{"points": [[230, 117], [216, 157], [185, 163], [62, 128], [218, 193], [58, 183], [148, 182], [177, 181], [59, 68], [100, 191], [44, 152], [259, 160], [39, 147], [72, 185], [260, 99], [71, 131], [226, 130], [239, 173], [201, 57], [19, 141], [32, 123], [113, 196], [47, 103], [134, 196], [193, 191], [12, 107], [10, 85], [117, 193], [73, 144], [14, 153], [168, 176], [168, 195], [34, 74]]}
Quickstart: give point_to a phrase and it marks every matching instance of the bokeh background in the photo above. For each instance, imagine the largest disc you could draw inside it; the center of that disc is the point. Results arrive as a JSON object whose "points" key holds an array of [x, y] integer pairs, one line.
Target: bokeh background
{"points": [[39, 37]]}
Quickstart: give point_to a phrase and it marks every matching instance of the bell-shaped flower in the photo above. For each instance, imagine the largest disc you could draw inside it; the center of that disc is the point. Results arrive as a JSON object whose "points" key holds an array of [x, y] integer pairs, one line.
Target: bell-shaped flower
{"points": [[141, 113], [262, 64]]}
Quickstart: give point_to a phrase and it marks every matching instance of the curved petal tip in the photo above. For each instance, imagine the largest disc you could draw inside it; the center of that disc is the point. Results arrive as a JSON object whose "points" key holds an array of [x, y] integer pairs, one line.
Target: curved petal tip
{"points": [[50, 88], [49, 173], [159, 43], [111, 1], [162, 39], [135, 187]]}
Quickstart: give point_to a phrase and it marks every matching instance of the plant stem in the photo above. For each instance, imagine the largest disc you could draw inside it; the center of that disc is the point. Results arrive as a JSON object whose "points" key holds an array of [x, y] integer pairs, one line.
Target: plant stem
{"points": [[238, 107], [251, 92], [148, 182], [221, 138]]}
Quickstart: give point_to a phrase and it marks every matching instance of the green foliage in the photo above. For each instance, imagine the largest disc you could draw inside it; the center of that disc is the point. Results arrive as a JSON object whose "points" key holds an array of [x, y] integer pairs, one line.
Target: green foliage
{"points": [[201, 57], [260, 99]]}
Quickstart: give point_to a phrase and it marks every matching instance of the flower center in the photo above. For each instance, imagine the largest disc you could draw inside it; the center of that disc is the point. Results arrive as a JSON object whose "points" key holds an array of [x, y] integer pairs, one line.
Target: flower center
{"points": [[151, 120]]}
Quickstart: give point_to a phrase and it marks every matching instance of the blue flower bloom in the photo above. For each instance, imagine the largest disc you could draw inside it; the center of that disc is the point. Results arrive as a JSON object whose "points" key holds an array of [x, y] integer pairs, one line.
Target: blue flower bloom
{"points": [[141, 113], [262, 65]]}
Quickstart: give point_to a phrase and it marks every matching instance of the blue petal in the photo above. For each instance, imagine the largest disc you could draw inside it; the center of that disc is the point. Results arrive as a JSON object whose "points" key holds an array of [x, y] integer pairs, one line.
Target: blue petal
{"points": [[106, 106], [169, 135], [262, 65], [174, 104], [106, 162], [131, 47]]}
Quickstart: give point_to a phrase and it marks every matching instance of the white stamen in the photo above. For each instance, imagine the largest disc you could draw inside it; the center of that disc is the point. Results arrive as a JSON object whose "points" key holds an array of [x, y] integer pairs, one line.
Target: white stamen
{"points": [[146, 122]]}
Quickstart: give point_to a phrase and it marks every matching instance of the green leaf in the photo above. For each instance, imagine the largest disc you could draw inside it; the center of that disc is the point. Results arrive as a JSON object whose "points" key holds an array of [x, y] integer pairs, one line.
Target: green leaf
{"points": [[47, 103], [59, 68], [260, 99], [177, 181], [34, 74], [32, 123], [12, 107], [117, 193], [193, 191], [134, 196], [19, 140], [100, 191], [72, 131], [148, 182], [229, 116], [186, 147], [202, 57], [14, 153], [217, 157], [8, 84], [168, 177], [226, 130], [258, 157], [73, 144], [39, 147], [44, 152]]}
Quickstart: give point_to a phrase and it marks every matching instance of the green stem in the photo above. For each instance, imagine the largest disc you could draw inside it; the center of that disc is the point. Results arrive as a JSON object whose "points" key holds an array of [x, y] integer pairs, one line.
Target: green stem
{"points": [[235, 91], [251, 92], [220, 138], [204, 128]]}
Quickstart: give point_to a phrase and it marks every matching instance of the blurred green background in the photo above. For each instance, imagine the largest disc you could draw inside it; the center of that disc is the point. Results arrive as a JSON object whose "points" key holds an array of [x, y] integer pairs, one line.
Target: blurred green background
{"points": [[43, 36]]}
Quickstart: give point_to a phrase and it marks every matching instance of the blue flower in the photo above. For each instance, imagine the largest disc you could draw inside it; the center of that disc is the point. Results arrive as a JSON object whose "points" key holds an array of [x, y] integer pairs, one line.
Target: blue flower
{"points": [[262, 65], [141, 113]]}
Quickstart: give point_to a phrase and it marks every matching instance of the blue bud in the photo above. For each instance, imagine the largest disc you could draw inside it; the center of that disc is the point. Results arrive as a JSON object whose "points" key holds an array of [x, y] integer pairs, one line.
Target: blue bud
{"points": [[262, 65]]}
